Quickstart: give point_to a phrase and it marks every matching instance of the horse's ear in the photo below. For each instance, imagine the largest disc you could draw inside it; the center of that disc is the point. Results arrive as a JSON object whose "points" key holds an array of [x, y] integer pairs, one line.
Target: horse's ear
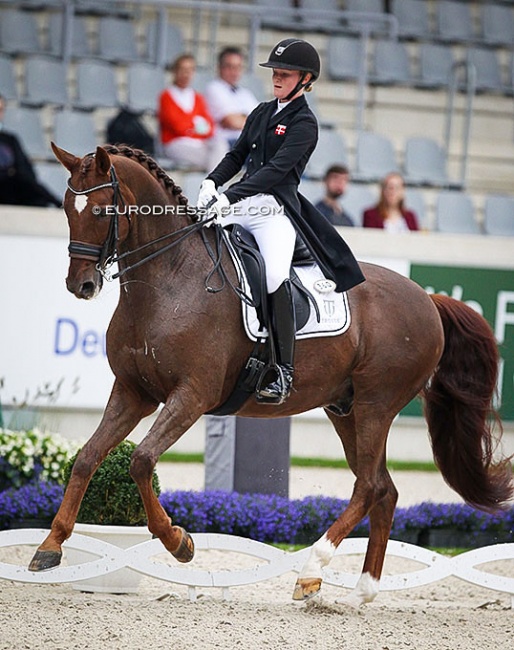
{"points": [[102, 160], [66, 159]]}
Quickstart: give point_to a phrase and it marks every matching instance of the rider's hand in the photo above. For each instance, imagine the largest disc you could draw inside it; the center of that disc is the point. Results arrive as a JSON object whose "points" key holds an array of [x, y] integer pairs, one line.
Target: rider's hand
{"points": [[207, 193], [220, 208]]}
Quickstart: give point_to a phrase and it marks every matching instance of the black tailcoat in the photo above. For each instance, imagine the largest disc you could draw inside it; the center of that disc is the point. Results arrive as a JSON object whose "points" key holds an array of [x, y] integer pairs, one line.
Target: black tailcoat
{"points": [[276, 149]]}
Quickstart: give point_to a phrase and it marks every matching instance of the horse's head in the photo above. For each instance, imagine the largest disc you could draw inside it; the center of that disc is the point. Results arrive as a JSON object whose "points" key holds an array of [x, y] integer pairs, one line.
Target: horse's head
{"points": [[97, 223]]}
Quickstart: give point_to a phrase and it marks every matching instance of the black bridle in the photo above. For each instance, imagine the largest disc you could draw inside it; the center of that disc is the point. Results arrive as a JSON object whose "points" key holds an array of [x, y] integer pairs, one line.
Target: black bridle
{"points": [[106, 254]]}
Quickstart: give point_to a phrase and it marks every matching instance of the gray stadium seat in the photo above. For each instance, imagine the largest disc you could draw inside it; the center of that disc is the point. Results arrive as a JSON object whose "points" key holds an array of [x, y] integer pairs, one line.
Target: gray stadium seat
{"points": [[80, 47], [413, 18], [173, 47], [45, 82], [375, 157], [26, 123], [435, 65], [391, 63], [331, 149], [311, 189], [497, 25], [96, 85], [366, 6], [455, 213], [356, 199], [19, 32], [488, 73], [316, 21], [272, 19], [454, 22], [7, 78], [145, 84], [499, 215], [415, 201], [75, 132], [344, 55], [53, 176], [425, 162], [117, 40]]}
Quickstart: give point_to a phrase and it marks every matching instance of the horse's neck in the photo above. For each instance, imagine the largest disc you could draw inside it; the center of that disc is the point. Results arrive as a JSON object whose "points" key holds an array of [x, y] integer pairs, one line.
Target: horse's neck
{"points": [[157, 216]]}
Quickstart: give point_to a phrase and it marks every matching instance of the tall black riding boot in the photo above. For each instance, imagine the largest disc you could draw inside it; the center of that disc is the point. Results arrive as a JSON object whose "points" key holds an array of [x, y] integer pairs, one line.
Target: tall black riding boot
{"points": [[283, 319]]}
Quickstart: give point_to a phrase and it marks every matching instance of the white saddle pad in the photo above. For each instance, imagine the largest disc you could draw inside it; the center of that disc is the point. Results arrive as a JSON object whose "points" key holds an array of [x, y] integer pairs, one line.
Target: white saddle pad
{"points": [[333, 307]]}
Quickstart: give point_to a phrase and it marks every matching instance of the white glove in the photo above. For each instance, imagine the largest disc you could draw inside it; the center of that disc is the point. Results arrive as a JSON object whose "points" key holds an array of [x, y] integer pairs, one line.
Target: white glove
{"points": [[207, 193], [220, 208]]}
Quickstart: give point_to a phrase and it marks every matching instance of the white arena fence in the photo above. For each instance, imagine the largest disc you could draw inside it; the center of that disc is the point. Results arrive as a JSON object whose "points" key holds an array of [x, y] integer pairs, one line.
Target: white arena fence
{"points": [[274, 563]]}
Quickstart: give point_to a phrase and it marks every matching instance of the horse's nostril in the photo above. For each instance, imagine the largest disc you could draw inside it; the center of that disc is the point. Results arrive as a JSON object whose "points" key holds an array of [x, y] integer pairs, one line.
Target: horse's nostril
{"points": [[87, 290]]}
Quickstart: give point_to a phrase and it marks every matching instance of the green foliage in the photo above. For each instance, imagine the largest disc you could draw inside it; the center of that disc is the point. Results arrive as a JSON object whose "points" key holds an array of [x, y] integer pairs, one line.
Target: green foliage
{"points": [[112, 498]]}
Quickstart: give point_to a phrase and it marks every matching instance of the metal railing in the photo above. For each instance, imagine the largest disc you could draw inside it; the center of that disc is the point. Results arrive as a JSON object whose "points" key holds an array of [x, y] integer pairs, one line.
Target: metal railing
{"points": [[470, 89]]}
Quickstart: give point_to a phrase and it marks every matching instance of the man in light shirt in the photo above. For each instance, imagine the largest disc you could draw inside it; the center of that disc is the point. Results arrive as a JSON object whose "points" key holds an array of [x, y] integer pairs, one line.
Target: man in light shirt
{"points": [[229, 103]]}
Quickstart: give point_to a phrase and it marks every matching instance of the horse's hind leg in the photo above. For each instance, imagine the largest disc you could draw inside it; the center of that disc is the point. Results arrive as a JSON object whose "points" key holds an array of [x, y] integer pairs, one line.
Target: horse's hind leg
{"points": [[123, 412], [373, 493]]}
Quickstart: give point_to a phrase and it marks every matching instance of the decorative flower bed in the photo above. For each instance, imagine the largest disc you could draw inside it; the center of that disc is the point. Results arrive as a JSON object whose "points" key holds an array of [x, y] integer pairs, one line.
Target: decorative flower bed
{"points": [[270, 518], [30, 455]]}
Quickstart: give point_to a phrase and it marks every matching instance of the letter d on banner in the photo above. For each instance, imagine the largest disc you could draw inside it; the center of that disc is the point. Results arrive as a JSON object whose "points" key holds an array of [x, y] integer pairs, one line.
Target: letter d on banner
{"points": [[66, 336]]}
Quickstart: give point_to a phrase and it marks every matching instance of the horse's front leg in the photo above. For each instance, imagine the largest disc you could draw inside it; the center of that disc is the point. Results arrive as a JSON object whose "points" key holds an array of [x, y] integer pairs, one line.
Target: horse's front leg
{"points": [[176, 417], [123, 412]]}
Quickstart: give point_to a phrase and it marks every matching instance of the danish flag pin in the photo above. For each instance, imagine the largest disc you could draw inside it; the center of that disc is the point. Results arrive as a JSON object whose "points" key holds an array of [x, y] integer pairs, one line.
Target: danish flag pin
{"points": [[280, 130]]}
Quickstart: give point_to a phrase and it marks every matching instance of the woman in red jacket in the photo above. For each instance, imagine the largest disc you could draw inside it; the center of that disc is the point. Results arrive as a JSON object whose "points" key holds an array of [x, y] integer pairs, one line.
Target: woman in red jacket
{"points": [[390, 212], [186, 127]]}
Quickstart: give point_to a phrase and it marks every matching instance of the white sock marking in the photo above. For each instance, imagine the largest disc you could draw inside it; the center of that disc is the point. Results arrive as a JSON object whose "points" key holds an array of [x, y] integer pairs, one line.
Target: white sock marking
{"points": [[321, 554], [365, 591]]}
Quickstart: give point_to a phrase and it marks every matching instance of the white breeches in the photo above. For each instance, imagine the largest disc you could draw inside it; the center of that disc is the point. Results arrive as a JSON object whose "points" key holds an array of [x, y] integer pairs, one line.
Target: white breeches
{"points": [[274, 233]]}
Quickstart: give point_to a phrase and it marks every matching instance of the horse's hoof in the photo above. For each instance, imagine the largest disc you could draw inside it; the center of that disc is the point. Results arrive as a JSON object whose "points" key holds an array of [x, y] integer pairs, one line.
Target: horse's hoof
{"points": [[306, 588], [185, 551], [44, 560]]}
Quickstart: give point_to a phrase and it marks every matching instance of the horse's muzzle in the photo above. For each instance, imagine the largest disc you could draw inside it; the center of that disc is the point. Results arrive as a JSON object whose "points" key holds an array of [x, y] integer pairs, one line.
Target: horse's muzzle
{"points": [[84, 282]]}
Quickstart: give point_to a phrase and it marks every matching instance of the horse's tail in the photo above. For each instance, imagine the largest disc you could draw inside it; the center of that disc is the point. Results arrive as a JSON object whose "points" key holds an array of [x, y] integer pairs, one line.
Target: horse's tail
{"points": [[459, 409]]}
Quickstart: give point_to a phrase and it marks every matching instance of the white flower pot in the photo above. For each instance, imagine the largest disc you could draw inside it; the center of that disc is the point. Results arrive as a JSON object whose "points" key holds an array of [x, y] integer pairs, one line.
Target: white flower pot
{"points": [[122, 581]]}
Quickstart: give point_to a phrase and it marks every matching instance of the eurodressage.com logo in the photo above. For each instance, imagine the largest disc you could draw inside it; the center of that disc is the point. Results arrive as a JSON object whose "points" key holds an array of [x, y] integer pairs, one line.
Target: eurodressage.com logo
{"points": [[183, 210]]}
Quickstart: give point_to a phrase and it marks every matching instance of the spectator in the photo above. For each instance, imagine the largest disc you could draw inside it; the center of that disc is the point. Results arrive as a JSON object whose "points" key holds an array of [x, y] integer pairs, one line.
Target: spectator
{"points": [[390, 212], [336, 179], [18, 181], [186, 125], [228, 102]]}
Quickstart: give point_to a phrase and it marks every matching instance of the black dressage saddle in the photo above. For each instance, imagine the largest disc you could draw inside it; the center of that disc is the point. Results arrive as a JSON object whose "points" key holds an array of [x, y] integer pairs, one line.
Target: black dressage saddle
{"points": [[252, 261]]}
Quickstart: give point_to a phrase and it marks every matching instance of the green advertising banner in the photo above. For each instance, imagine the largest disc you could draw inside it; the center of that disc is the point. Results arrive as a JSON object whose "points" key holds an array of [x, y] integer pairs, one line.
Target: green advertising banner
{"points": [[491, 293]]}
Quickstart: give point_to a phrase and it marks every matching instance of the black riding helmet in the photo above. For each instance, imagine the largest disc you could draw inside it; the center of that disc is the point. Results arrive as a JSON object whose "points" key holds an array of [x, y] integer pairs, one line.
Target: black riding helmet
{"points": [[295, 54]]}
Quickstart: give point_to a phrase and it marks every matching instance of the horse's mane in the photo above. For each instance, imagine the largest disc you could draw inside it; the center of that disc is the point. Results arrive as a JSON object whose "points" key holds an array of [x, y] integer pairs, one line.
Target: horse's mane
{"points": [[149, 163]]}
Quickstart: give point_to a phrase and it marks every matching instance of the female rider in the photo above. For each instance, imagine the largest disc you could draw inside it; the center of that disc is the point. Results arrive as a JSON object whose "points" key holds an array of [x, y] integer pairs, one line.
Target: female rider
{"points": [[275, 145]]}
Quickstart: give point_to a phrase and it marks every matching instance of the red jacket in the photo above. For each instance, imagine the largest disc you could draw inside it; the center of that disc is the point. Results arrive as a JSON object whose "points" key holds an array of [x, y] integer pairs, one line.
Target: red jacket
{"points": [[372, 219], [176, 123]]}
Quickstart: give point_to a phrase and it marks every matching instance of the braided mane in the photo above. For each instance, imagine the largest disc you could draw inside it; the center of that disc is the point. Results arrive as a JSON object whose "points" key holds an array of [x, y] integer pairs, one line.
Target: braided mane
{"points": [[149, 163]]}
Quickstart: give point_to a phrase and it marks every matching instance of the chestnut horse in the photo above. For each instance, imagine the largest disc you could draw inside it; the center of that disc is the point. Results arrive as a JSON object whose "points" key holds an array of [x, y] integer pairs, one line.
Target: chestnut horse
{"points": [[172, 342]]}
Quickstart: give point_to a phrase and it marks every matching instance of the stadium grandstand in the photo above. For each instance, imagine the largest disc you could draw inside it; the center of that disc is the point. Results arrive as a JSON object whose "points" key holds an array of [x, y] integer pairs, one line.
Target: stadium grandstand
{"points": [[433, 79]]}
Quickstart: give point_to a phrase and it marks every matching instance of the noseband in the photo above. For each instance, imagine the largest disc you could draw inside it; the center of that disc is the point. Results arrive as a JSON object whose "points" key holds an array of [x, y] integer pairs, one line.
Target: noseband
{"points": [[103, 255]]}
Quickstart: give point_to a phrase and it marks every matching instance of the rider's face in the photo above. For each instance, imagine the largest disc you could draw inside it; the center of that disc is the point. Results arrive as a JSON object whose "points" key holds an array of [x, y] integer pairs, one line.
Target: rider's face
{"points": [[284, 82]]}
